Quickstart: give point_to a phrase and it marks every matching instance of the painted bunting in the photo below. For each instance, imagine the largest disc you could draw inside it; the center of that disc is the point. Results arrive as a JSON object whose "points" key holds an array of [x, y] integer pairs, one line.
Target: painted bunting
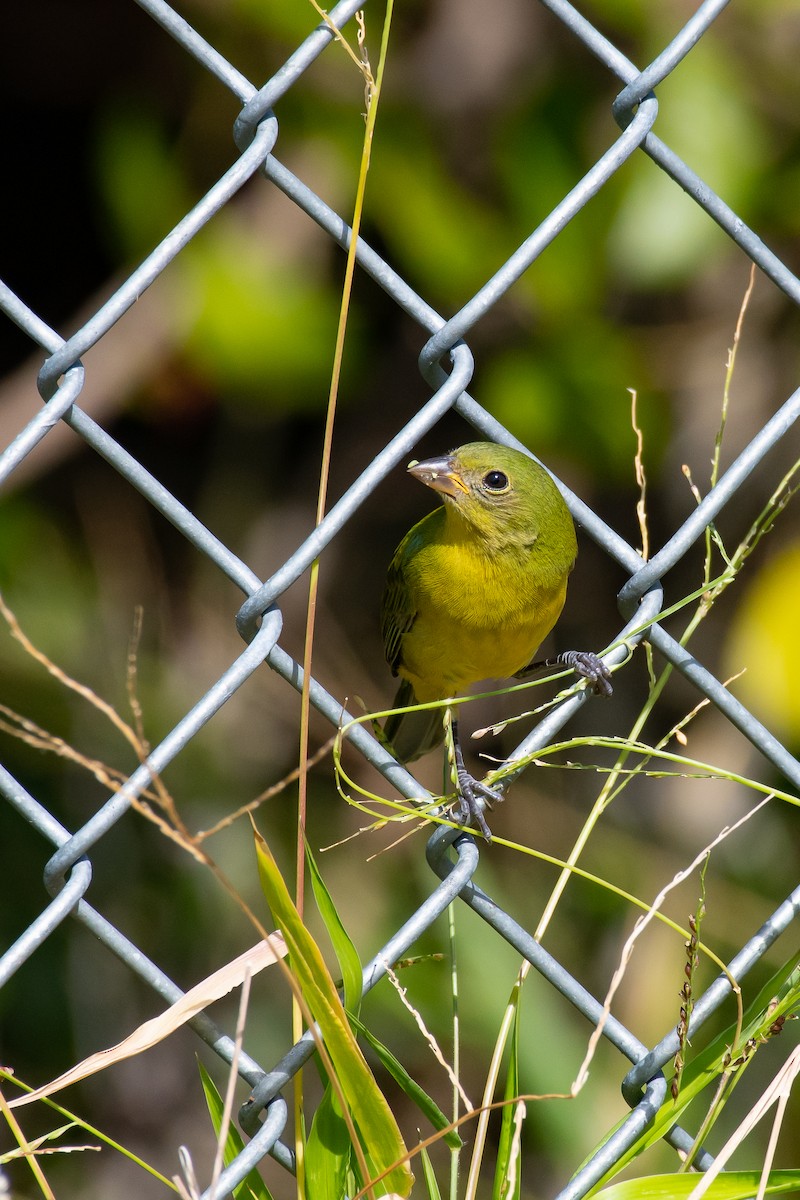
{"points": [[472, 591]]}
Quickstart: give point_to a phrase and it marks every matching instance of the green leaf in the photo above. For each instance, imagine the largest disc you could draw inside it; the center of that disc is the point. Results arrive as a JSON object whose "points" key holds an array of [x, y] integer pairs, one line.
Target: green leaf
{"points": [[428, 1175], [328, 1151], [428, 1107], [382, 1141], [252, 1186], [729, 1185], [343, 947]]}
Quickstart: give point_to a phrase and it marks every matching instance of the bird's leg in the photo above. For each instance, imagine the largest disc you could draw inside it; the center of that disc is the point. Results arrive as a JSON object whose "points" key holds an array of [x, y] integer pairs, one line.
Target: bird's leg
{"points": [[472, 794], [589, 666]]}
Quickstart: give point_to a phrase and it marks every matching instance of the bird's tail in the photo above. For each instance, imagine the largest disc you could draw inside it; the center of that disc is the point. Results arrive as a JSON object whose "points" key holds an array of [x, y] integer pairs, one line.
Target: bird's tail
{"points": [[413, 734]]}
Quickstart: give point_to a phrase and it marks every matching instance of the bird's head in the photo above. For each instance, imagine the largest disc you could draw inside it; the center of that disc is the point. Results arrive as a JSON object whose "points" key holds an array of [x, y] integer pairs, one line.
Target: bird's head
{"points": [[499, 491]]}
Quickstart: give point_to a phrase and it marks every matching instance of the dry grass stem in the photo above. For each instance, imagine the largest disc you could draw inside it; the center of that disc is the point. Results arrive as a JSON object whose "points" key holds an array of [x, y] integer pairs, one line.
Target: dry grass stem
{"points": [[428, 1036]]}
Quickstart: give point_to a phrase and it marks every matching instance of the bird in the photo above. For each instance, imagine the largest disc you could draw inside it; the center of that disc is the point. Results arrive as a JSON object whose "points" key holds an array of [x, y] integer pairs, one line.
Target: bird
{"points": [[471, 592]]}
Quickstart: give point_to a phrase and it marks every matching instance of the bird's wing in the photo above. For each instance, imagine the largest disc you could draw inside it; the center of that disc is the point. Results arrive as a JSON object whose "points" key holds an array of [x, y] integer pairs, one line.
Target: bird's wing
{"points": [[397, 611]]}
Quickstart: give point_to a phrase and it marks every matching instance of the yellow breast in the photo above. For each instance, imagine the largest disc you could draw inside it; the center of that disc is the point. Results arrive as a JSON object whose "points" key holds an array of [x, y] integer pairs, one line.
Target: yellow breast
{"points": [[478, 616]]}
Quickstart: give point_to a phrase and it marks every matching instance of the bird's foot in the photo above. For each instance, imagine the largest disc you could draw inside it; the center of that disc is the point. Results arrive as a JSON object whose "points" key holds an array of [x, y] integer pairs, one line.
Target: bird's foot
{"points": [[590, 667], [473, 797]]}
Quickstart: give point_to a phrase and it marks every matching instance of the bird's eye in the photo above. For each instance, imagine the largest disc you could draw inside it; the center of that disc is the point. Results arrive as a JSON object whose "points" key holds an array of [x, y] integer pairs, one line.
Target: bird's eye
{"points": [[495, 481]]}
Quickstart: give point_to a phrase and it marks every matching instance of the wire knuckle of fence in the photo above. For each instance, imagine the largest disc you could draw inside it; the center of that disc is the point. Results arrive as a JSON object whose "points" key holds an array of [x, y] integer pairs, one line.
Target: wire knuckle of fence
{"points": [[446, 363]]}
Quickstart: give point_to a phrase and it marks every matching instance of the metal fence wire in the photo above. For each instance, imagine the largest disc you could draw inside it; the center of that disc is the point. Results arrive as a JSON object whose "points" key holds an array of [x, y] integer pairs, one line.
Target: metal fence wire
{"points": [[447, 365]]}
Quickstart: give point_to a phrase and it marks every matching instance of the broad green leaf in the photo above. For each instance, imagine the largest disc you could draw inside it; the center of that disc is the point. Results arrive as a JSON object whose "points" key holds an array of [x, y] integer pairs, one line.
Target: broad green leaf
{"points": [[382, 1141], [328, 1151], [343, 947], [729, 1185], [252, 1186]]}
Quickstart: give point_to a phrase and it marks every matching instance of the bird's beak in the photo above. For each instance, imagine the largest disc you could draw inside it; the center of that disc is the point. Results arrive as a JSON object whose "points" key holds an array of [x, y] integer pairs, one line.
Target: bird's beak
{"points": [[439, 474]]}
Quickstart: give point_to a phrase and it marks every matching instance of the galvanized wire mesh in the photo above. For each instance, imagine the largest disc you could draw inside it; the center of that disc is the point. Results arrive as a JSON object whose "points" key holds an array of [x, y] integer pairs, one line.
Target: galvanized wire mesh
{"points": [[447, 365]]}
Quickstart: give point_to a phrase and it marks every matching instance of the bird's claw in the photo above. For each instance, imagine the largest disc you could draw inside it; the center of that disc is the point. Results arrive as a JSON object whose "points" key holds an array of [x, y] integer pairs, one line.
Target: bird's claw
{"points": [[591, 668], [473, 796]]}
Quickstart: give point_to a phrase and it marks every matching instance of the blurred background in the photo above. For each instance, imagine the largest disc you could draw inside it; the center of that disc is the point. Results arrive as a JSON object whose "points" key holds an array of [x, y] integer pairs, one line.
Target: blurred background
{"points": [[217, 381]]}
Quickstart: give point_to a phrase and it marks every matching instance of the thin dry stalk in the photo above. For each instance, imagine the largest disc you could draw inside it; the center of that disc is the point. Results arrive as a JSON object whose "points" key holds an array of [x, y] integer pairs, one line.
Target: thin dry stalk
{"points": [[428, 1036]]}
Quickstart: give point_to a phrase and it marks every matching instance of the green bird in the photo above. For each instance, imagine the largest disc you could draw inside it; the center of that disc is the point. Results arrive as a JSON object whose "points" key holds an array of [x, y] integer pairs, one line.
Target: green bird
{"points": [[472, 591]]}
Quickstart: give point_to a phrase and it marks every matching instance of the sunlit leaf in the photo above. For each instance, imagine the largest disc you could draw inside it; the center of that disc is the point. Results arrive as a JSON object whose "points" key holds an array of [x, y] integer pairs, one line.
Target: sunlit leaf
{"points": [[731, 1185], [343, 946], [382, 1141]]}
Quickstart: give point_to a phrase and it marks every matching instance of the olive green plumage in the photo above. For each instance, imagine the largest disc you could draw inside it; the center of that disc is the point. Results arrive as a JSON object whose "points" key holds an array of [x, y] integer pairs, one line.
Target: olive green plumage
{"points": [[475, 586]]}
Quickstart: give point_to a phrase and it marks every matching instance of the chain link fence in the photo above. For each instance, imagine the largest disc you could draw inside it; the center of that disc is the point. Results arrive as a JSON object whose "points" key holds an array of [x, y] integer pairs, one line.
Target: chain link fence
{"points": [[446, 364]]}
